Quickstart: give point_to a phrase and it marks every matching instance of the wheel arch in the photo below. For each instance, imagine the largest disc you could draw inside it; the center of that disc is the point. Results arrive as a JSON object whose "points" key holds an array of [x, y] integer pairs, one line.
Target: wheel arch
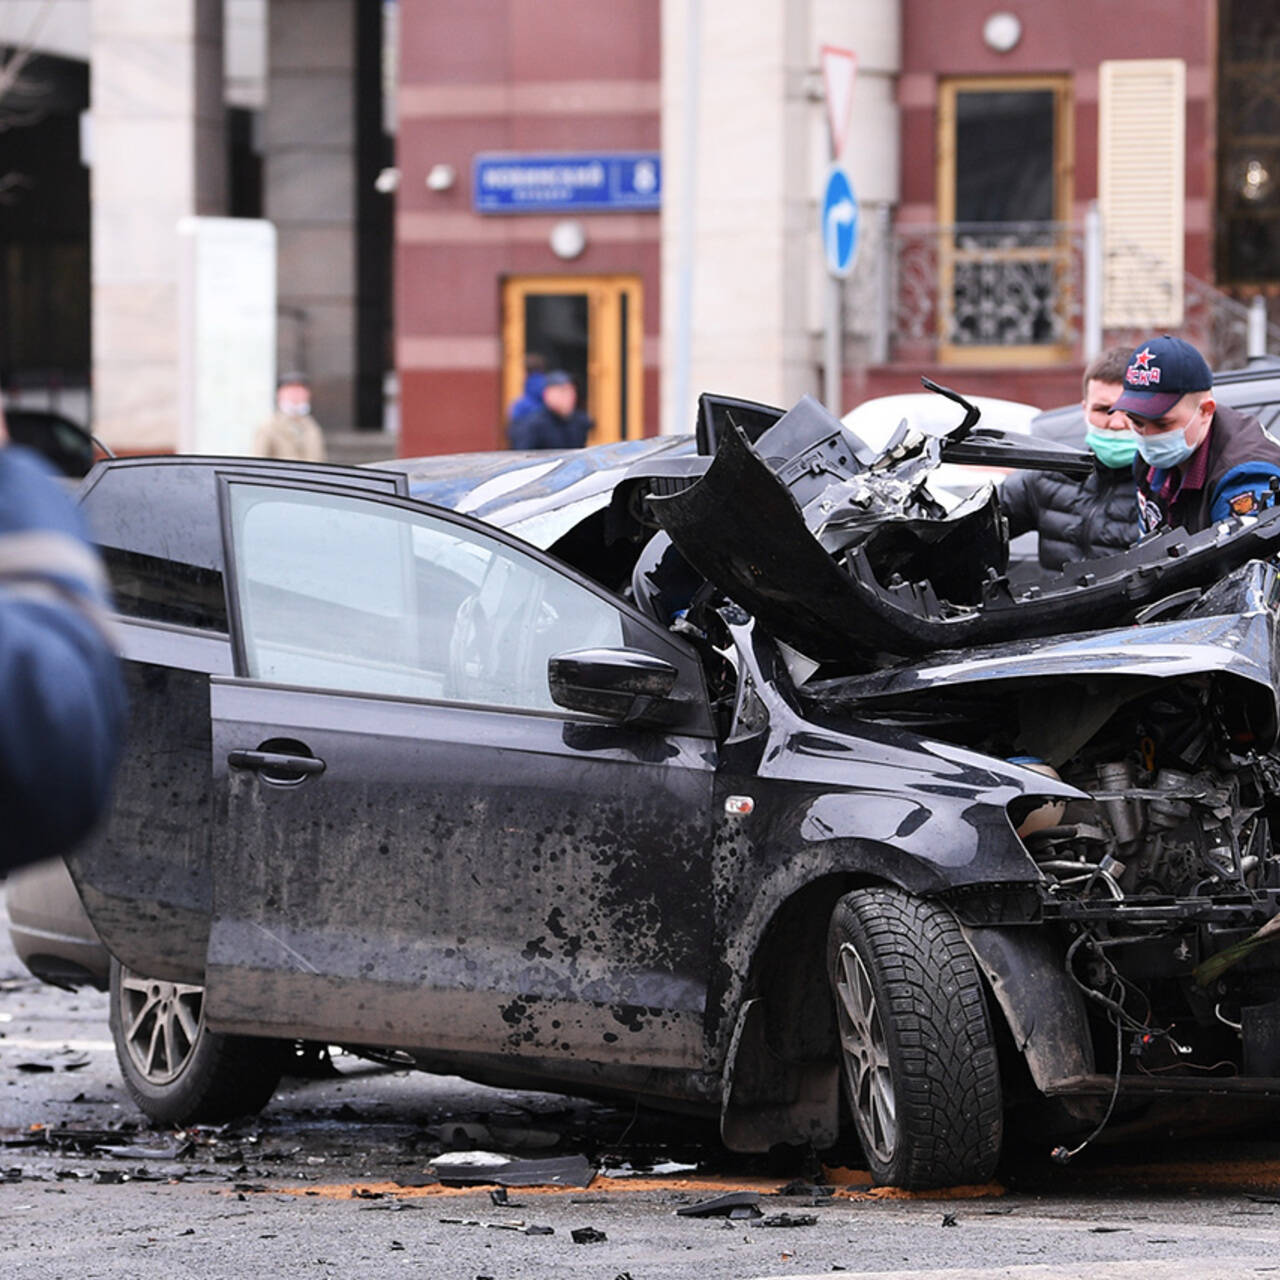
{"points": [[782, 1075], [781, 1069]]}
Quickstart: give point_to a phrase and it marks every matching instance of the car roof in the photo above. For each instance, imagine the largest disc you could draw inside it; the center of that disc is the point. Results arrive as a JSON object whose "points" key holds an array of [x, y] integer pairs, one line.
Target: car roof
{"points": [[540, 495]]}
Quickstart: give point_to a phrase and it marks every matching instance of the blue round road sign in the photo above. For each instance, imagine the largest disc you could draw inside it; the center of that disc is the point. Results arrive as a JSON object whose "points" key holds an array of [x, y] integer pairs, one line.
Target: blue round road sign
{"points": [[839, 222]]}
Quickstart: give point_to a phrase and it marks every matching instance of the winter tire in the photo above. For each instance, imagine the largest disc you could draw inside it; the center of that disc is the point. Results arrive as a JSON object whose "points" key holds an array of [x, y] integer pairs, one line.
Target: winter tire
{"points": [[176, 1069], [917, 1052]]}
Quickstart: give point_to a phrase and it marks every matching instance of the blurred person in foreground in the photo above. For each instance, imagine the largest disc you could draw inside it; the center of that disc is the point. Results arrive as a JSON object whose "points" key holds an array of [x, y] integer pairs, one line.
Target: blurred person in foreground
{"points": [[64, 702], [557, 423], [291, 432], [1201, 462], [1097, 516]]}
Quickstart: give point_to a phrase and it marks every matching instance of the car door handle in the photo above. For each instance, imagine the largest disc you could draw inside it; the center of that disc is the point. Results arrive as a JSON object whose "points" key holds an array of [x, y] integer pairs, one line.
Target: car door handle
{"points": [[276, 765]]}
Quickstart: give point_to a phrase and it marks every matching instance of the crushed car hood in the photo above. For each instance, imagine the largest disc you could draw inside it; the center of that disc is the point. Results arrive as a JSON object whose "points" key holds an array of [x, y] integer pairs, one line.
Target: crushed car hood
{"points": [[854, 564], [1071, 685], [1242, 644]]}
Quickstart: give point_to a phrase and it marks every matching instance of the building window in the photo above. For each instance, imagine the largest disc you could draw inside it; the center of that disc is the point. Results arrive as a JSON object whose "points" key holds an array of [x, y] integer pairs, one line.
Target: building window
{"points": [[1248, 223], [1004, 201]]}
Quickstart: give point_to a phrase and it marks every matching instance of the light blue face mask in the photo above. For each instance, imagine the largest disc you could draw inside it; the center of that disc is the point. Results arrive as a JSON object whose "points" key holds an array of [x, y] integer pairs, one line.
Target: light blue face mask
{"points": [[1165, 450], [1114, 449]]}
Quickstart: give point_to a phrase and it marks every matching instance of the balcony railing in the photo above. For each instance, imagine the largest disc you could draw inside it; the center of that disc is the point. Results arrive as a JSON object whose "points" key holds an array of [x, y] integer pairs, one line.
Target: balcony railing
{"points": [[1024, 293]]}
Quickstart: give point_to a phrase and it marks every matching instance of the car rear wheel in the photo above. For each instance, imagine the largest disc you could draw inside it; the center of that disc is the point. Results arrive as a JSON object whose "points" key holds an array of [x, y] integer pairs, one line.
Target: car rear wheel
{"points": [[176, 1069], [918, 1055]]}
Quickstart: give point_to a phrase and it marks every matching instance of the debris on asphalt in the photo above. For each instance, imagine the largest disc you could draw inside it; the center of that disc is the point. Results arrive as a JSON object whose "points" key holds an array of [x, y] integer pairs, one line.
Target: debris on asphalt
{"points": [[469, 1168], [950, 1220], [62, 1060], [789, 1220], [587, 1235], [524, 1228], [802, 1187], [86, 1139], [733, 1204], [498, 1196], [627, 1169], [813, 1194], [133, 1151]]}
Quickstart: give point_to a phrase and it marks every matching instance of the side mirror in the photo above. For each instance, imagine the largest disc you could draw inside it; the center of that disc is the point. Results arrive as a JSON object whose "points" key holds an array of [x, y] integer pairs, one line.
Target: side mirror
{"points": [[627, 686]]}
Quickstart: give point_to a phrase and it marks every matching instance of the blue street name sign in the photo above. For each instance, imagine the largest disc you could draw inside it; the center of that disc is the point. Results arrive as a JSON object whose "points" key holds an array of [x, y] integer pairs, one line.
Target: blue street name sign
{"points": [[582, 182], [839, 222]]}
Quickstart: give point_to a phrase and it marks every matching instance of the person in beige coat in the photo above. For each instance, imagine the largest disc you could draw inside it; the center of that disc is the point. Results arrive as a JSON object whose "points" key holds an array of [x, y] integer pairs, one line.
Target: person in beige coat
{"points": [[291, 432]]}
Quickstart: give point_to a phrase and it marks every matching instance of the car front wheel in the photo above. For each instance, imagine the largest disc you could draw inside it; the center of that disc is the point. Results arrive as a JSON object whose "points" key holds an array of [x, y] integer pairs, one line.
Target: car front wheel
{"points": [[176, 1069], [918, 1055]]}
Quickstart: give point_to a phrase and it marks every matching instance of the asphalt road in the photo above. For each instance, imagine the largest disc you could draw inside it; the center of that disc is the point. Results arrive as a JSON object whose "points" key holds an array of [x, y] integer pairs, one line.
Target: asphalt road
{"points": [[334, 1179]]}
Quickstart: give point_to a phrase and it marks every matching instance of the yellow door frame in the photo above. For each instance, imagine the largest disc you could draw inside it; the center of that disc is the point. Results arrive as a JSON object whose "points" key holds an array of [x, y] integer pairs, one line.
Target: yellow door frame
{"points": [[1057, 252], [615, 366]]}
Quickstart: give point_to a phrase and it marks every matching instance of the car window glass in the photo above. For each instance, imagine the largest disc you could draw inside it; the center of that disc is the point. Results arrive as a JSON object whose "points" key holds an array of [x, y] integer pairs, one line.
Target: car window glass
{"points": [[158, 532], [165, 590], [337, 592]]}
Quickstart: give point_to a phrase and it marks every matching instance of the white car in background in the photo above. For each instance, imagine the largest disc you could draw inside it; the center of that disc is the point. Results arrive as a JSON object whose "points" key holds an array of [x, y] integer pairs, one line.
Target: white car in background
{"points": [[876, 420]]}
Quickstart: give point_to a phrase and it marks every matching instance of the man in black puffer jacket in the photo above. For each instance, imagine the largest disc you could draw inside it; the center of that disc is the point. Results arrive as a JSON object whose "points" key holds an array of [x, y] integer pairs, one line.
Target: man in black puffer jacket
{"points": [[1082, 520]]}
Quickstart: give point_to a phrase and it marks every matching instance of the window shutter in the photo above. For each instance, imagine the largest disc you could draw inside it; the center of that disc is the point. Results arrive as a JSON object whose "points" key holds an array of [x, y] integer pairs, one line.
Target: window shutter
{"points": [[1142, 191]]}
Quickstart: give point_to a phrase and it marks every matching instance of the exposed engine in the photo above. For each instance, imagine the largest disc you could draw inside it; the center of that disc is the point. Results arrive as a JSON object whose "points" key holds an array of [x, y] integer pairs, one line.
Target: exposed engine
{"points": [[1175, 814], [1165, 881]]}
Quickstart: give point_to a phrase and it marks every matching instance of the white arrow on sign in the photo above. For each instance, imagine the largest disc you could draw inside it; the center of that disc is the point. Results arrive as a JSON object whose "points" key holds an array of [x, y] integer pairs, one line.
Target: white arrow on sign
{"points": [[839, 67], [841, 214]]}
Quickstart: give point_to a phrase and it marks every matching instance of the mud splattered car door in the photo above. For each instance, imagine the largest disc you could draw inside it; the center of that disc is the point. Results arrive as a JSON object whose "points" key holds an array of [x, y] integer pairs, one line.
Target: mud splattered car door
{"points": [[416, 847]]}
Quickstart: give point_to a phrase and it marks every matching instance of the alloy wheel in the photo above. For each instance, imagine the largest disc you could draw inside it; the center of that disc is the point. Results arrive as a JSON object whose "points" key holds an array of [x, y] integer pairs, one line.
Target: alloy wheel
{"points": [[161, 1023], [866, 1056]]}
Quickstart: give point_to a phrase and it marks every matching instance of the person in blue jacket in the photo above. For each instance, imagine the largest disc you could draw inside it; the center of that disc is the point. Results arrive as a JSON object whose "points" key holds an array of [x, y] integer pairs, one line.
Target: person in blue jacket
{"points": [[64, 701], [558, 423], [1199, 462], [530, 400]]}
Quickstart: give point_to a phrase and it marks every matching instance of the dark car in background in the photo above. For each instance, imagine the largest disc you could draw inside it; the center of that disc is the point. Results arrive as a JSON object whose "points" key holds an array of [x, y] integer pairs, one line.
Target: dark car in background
{"points": [[1254, 390], [411, 771]]}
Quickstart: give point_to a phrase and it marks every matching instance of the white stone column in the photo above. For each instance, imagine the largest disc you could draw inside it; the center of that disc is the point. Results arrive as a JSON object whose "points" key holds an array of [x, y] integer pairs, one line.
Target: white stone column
{"points": [[158, 154], [760, 156], [747, 319], [310, 195]]}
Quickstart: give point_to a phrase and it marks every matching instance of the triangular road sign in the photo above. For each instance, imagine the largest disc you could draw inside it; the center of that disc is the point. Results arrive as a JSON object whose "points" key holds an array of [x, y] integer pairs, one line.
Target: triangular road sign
{"points": [[839, 66]]}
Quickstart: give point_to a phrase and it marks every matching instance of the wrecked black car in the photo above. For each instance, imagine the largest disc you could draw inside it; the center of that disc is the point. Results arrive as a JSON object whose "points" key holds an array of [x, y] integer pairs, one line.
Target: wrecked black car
{"points": [[859, 831]]}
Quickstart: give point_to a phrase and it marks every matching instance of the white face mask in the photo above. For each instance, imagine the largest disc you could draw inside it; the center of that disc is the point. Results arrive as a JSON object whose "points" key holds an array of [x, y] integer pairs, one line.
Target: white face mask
{"points": [[1169, 449], [297, 408]]}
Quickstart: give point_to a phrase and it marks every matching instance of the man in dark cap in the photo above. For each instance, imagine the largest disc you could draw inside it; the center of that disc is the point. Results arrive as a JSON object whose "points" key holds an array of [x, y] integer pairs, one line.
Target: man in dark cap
{"points": [[557, 423], [1201, 462]]}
